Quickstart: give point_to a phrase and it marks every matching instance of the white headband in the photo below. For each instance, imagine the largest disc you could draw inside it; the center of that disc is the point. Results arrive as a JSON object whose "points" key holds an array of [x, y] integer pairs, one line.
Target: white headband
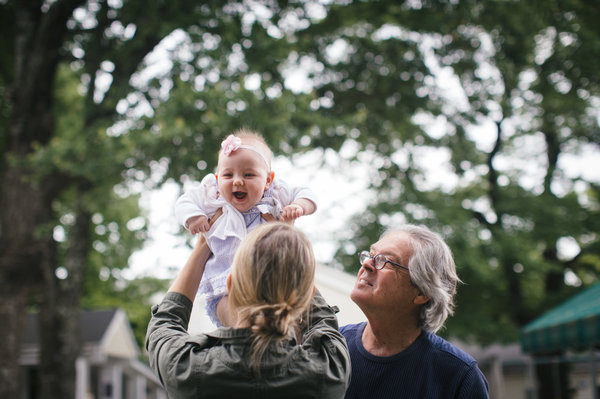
{"points": [[233, 143]]}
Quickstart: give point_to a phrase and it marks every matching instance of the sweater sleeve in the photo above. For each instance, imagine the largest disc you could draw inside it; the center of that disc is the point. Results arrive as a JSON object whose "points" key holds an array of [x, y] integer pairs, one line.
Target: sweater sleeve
{"points": [[474, 385]]}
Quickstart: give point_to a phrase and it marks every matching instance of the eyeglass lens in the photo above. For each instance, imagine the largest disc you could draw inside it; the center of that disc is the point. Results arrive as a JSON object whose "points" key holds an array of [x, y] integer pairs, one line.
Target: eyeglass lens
{"points": [[378, 260]]}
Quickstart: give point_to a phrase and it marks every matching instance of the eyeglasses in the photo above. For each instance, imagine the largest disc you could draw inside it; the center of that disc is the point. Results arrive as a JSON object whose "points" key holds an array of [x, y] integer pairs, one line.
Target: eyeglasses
{"points": [[379, 260]]}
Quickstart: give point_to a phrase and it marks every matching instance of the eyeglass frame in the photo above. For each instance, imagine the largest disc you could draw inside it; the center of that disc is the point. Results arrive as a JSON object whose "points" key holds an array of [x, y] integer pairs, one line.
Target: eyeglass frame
{"points": [[364, 255]]}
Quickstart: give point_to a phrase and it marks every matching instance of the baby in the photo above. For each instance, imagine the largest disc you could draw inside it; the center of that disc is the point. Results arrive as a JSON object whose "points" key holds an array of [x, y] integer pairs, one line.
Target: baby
{"points": [[246, 189]]}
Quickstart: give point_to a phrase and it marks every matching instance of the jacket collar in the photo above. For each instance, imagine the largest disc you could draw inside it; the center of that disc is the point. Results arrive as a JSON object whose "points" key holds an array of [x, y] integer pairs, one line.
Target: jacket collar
{"points": [[228, 333]]}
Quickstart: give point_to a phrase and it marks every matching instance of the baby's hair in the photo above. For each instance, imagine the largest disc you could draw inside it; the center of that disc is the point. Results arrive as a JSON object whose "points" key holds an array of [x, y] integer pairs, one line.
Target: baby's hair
{"points": [[251, 137], [272, 283]]}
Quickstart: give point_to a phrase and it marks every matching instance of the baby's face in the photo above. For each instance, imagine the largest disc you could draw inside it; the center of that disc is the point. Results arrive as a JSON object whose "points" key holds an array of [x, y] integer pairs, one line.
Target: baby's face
{"points": [[242, 178]]}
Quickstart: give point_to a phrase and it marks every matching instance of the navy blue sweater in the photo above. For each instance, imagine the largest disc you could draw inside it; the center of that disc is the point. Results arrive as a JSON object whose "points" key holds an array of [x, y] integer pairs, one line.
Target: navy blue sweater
{"points": [[430, 368]]}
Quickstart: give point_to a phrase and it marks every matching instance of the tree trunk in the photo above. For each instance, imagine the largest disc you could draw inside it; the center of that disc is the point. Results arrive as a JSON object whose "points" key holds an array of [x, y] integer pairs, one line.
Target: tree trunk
{"points": [[22, 211], [59, 315], [26, 203], [12, 312]]}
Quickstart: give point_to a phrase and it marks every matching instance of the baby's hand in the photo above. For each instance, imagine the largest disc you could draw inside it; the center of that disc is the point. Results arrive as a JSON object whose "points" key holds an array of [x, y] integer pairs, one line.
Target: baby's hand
{"points": [[291, 212], [198, 224]]}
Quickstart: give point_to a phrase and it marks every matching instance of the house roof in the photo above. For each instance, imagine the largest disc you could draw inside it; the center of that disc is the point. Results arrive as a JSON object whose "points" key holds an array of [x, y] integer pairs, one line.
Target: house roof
{"points": [[106, 337], [93, 325], [103, 333], [574, 324]]}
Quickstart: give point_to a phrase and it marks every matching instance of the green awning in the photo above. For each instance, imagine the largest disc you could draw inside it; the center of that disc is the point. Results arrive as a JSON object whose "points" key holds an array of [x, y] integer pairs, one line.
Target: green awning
{"points": [[575, 324]]}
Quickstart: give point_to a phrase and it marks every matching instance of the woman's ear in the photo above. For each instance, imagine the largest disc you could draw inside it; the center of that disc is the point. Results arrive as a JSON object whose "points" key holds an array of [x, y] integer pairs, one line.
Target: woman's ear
{"points": [[228, 283]]}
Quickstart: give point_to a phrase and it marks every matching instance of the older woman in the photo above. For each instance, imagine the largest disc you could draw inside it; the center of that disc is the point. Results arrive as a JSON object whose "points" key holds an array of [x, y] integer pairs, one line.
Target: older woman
{"points": [[284, 342]]}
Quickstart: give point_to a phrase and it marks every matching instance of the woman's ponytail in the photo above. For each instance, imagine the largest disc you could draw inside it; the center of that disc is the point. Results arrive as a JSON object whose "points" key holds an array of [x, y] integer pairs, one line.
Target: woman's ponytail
{"points": [[272, 284]]}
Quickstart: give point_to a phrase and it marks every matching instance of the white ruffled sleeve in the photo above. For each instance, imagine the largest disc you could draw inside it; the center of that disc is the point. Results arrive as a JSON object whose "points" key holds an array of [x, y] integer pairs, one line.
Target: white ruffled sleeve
{"points": [[284, 194], [201, 200]]}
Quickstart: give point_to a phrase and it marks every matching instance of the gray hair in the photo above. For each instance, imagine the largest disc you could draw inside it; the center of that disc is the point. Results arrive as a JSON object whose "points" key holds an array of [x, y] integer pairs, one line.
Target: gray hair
{"points": [[433, 272]]}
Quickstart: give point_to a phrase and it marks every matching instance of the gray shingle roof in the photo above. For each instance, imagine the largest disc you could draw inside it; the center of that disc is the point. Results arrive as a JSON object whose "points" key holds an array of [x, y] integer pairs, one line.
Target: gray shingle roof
{"points": [[92, 323]]}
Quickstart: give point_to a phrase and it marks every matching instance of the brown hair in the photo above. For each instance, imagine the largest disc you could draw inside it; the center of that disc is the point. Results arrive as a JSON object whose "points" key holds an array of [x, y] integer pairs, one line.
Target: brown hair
{"points": [[272, 283]]}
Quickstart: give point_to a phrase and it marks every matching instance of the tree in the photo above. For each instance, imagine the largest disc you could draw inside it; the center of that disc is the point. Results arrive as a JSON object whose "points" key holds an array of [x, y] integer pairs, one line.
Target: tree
{"points": [[524, 80], [523, 99], [60, 182]]}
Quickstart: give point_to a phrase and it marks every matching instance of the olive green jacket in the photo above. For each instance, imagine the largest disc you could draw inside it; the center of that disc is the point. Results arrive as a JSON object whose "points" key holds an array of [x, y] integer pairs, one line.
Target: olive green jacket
{"points": [[217, 364]]}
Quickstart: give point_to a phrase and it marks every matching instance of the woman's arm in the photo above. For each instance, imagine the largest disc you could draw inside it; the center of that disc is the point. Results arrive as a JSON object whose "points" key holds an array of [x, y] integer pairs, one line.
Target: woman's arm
{"points": [[320, 335], [187, 282], [168, 343], [320, 314]]}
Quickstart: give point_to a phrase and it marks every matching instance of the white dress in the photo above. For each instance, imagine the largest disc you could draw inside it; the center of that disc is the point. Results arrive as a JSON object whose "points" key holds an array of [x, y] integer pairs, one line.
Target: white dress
{"points": [[230, 228]]}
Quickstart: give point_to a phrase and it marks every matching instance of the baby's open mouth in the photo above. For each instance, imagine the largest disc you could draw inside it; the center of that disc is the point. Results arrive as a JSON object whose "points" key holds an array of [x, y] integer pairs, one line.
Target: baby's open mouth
{"points": [[239, 195]]}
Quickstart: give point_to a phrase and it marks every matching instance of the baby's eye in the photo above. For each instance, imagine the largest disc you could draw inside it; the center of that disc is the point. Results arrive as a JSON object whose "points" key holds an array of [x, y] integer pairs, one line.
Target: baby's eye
{"points": [[226, 175], [249, 174]]}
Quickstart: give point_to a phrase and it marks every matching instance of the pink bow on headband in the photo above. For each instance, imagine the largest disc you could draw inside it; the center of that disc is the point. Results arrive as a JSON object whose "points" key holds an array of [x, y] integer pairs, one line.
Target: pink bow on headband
{"points": [[230, 144], [233, 143]]}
